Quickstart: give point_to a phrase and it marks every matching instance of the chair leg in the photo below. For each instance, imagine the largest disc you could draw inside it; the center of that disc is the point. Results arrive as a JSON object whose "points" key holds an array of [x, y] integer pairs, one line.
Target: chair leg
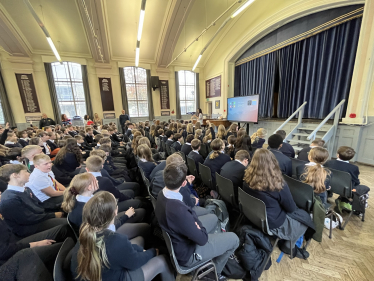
{"points": [[291, 250], [238, 221], [349, 217], [269, 256], [198, 276], [307, 244], [331, 216]]}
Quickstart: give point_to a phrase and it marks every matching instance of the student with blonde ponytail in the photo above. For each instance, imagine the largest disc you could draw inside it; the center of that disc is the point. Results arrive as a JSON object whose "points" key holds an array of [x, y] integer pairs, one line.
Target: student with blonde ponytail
{"points": [[314, 174], [104, 255], [221, 132], [82, 189]]}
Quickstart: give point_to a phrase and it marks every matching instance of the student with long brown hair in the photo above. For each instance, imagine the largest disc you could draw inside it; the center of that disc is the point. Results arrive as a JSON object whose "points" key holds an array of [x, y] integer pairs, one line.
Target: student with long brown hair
{"points": [[221, 132], [105, 255], [314, 174], [243, 143], [232, 131], [69, 158], [146, 161], [230, 148], [263, 180]]}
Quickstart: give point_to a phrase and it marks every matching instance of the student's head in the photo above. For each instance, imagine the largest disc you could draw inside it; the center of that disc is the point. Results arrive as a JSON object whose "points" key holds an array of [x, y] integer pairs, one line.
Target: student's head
{"points": [[79, 139], [221, 132], [318, 155], [175, 176], [14, 153], [217, 146], [207, 139], [233, 128], [282, 133], [130, 125], [189, 138], [61, 143], [144, 140], [196, 144], [89, 131], [22, 134], [318, 142], [243, 142], [175, 158], [264, 174], [106, 148], [43, 136], [231, 140], [346, 153], [29, 151], [190, 128], [47, 129], [105, 141], [52, 135], [161, 132], [36, 141], [275, 141], [177, 137], [144, 152], [15, 173], [169, 134], [242, 132], [94, 164], [82, 184], [198, 133], [243, 156], [98, 138], [197, 125], [43, 163], [98, 213], [99, 152]]}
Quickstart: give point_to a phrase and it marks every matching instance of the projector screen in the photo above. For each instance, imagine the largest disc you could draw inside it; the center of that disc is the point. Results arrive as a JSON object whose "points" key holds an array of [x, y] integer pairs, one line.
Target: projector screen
{"points": [[243, 109]]}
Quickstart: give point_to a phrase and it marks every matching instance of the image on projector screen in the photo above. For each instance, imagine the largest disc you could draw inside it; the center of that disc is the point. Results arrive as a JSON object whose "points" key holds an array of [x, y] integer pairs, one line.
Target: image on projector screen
{"points": [[243, 109]]}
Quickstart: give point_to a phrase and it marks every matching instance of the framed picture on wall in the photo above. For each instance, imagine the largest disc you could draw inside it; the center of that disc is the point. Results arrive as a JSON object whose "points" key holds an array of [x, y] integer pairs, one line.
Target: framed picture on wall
{"points": [[165, 113], [109, 115], [27, 91], [217, 104], [106, 94]]}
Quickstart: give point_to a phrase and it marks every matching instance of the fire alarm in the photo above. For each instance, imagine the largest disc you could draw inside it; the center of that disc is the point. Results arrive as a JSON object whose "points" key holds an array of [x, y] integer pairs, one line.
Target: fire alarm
{"points": [[172, 112], [224, 110], [352, 115]]}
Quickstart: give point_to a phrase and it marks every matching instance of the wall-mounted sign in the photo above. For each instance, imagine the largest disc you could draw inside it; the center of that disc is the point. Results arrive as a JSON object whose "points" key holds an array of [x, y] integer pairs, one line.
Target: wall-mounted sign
{"points": [[32, 119], [213, 87], [165, 113], [164, 94], [109, 115], [27, 90], [217, 104], [106, 94]]}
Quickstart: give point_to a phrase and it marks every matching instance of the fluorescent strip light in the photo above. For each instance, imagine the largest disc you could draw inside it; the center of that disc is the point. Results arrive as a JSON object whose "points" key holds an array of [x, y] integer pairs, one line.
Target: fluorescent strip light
{"points": [[197, 62], [141, 21], [53, 48], [245, 5], [137, 57]]}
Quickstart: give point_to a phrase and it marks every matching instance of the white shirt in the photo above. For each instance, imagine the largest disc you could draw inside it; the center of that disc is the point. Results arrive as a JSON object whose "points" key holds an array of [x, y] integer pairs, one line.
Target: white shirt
{"points": [[342, 160], [14, 162], [196, 151], [83, 199], [96, 174], [38, 181], [9, 142], [187, 143], [112, 227], [15, 188], [311, 164], [47, 151], [172, 195]]}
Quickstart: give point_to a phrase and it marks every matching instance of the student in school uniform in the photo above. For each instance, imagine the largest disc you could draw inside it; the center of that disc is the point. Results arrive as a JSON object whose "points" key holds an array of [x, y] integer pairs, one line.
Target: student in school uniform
{"points": [[12, 141], [89, 138], [303, 154], [234, 170], [258, 138], [44, 137], [232, 131], [23, 138], [286, 148], [230, 148], [186, 148], [146, 162], [69, 158], [344, 155], [20, 211], [127, 261], [52, 141], [177, 138], [285, 164], [43, 184], [194, 154]]}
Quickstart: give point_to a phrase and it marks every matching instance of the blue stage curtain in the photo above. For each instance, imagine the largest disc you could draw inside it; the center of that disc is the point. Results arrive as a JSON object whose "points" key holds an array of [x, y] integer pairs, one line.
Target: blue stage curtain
{"points": [[256, 77], [318, 70]]}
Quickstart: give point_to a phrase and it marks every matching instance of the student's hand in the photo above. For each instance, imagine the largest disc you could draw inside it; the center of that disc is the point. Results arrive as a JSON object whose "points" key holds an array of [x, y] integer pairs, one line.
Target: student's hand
{"points": [[197, 225], [59, 215], [45, 242], [197, 200], [7, 126], [130, 212], [190, 178]]}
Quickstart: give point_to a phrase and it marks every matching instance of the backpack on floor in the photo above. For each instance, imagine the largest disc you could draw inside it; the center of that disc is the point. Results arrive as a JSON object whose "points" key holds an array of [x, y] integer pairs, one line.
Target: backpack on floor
{"points": [[220, 210], [233, 269]]}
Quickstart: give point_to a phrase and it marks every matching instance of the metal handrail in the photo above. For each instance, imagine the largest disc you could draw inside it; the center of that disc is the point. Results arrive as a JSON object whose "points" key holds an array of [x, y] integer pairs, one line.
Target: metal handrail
{"points": [[326, 119], [293, 114]]}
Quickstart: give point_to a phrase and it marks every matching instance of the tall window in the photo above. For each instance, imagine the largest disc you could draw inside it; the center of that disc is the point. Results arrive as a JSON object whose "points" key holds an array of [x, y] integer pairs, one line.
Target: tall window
{"points": [[187, 91], [136, 88], [2, 118], [69, 88]]}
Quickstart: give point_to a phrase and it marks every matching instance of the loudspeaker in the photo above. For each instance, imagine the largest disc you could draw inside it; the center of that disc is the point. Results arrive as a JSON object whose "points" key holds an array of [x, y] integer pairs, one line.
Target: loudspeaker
{"points": [[155, 82]]}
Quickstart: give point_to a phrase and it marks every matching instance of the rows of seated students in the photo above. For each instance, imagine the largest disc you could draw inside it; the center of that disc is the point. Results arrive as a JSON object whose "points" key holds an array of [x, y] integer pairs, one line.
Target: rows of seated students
{"points": [[89, 176]]}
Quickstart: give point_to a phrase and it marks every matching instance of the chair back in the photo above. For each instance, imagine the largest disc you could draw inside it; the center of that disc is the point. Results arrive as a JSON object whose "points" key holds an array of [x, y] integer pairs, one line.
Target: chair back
{"points": [[192, 167], [172, 150], [73, 227], [295, 163], [203, 150], [145, 180], [158, 143], [225, 188], [341, 183], [61, 269], [163, 145], [183, 156], [206, 176], [302, 193], [168, 149], [254, 210]]}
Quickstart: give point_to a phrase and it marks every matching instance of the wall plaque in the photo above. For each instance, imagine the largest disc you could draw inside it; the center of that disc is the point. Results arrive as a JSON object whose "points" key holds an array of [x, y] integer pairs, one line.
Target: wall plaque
{"points": [[218, 104], [165, 113], [164, 94], [109, 115], [106, 94], [213, 87], [27, 91]]}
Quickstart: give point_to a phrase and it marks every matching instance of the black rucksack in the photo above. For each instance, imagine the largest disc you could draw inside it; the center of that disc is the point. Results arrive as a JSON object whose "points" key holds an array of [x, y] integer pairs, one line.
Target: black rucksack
{"points": [[233, 269]]}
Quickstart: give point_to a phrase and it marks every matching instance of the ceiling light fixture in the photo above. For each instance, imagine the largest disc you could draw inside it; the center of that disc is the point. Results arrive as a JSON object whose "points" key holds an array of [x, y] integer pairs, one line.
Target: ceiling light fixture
{"points": [[42, 26], [197, 62], [140, 30], [241, 8]]}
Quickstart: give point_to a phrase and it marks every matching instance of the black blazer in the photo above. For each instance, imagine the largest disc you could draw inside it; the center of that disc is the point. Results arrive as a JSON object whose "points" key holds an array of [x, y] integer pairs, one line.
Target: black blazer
{"points": [[197, 158], [23, 142], [303, 154], [73, 133], [216, 164], [89, 139], [230, 153], [186, 149], [345, 167], [234, 171], [287, 150], [147, 167], [52, 145], [11, 145], [107, 185], [69, 164], [285, 163], [177, 146]]}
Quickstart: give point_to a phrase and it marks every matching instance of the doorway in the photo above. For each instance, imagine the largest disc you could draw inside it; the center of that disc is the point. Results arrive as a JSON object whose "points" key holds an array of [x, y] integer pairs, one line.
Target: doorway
{"points": [[210, 109]]}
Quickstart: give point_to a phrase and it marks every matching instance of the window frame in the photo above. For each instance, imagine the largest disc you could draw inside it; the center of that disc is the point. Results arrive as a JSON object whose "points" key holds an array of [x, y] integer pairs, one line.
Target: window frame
{"points": [[71, 83], [135, 84], [185, 85]]}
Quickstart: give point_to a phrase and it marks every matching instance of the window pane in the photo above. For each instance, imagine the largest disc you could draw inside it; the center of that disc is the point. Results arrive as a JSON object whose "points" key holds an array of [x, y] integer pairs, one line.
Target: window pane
{"points": [[2, 119], [141, 75], [190, 106], [60, 71], [143, 108], [181, 78], [131, 91], [129, 74], [67, 108], [78, 91], [64, 92], [182, 93], [75, 71], [142, 92], [190, 93], [183, 108], [133, 108], [81, 108], [190, 78]]}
